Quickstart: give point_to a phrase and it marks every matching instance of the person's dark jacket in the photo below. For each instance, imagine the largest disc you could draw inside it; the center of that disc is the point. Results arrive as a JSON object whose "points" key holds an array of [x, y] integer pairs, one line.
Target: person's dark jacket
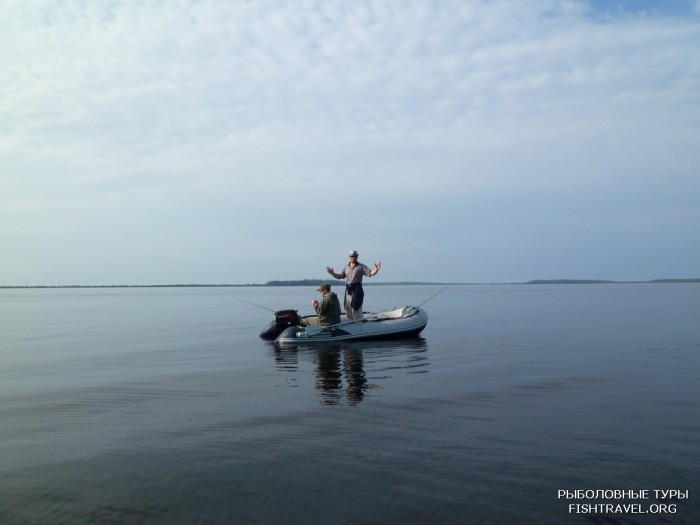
{"points": [[357, 295], [328, 309]]}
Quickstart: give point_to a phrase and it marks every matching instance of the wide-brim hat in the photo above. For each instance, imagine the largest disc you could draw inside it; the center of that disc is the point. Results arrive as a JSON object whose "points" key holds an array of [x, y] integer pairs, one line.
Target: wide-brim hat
{"points": [[353, 253]]}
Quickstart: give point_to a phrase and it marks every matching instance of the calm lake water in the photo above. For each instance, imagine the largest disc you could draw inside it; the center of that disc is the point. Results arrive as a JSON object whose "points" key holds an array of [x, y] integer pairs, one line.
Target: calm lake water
{"points": [[162, 406]]}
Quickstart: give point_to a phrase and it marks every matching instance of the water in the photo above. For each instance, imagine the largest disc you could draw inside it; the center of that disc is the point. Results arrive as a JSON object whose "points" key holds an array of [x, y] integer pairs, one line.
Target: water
{"points": [[162, 406]]}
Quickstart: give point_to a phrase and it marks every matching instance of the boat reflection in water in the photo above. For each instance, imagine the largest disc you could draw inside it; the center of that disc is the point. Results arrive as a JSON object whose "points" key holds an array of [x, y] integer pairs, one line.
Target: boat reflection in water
{"points": [[344, 372]]}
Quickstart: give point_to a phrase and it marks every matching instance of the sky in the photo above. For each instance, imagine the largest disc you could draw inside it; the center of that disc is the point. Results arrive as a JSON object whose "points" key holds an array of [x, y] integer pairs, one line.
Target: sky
{"points": [[217, 142]]}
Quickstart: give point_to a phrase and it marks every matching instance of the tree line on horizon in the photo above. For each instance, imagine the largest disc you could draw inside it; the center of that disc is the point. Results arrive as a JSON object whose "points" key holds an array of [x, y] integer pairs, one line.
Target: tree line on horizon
{"points": [[318, 282]]}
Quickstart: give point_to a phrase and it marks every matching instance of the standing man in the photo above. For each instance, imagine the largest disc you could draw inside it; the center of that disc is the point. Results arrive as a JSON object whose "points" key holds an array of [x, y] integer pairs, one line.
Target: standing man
{"points": [[328, 309], [354, 294]]}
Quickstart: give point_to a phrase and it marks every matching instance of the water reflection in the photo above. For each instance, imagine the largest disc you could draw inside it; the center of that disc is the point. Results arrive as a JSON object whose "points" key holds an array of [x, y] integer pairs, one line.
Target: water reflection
{"points": [[341, 370]]}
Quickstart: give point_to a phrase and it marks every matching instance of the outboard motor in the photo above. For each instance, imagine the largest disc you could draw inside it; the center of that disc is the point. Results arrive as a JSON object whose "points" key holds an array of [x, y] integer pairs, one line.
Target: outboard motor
{"points": [[286, 318], [283, 320]]}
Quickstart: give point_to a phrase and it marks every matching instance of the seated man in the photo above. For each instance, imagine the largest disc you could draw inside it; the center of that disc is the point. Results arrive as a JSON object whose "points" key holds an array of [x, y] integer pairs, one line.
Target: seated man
{"points": [[328, 309]]}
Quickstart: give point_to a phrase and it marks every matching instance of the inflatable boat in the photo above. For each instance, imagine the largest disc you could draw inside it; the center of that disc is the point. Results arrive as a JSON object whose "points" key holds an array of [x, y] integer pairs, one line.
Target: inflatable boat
{"points": [[287, 328]]}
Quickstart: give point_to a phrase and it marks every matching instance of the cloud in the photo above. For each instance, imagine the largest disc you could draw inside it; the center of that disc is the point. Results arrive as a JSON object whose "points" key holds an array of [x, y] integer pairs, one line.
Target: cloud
{"points": [[154, 76], [257, 109]]}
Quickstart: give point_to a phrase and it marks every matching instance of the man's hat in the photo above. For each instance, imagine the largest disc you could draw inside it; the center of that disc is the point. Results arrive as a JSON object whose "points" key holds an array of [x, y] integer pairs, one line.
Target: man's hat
{"points": [[324, 286], [353, 253]]}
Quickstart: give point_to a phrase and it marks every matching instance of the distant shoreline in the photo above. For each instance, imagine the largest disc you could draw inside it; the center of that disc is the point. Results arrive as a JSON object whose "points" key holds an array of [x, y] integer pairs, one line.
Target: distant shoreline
{"points": [[317, 282]]}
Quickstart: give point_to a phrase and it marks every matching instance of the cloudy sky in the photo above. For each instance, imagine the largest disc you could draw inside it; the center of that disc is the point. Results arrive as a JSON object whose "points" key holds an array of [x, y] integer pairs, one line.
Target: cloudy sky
{"points": [[211, 141]]}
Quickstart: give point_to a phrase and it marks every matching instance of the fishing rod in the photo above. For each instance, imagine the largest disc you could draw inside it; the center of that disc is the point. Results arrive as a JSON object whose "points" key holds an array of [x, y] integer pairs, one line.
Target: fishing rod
{"points": [[259, 306], [434, 295]]}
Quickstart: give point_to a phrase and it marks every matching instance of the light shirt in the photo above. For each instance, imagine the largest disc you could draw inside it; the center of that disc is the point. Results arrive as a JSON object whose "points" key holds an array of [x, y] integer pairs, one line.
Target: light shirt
{"points": [[354, 275]]}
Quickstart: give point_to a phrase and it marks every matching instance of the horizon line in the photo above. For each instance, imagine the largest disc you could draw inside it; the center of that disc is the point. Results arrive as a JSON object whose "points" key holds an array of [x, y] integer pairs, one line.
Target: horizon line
{"points": [[314, 282]]}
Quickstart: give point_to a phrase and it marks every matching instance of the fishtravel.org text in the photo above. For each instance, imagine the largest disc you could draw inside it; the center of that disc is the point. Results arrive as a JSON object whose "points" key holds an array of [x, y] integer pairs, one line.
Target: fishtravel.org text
{"points": [[623, 501]]}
